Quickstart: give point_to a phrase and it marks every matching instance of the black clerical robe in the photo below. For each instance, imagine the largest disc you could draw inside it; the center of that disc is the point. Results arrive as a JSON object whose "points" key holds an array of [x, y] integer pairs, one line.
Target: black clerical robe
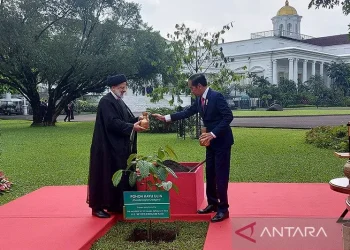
{"points": [[110, 149]]}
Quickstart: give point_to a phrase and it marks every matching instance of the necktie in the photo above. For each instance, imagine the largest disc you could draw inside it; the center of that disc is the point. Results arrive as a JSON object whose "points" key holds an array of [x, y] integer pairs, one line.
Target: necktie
{"points": [[202, 101]]}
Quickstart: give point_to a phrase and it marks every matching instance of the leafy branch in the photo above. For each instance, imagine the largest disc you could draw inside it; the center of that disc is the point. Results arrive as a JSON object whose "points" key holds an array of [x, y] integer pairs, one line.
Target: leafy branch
{"points": [[141, 167]]}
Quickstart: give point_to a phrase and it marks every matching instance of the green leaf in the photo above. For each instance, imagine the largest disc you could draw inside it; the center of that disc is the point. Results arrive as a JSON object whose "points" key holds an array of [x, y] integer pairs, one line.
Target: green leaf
{"points": [[162, 174], [171, 171], [117, 176], [153, 169], [161, 153], [176, 188], [130, 159], [170, 152], [144, 166], [132, 178], [167, 185]]}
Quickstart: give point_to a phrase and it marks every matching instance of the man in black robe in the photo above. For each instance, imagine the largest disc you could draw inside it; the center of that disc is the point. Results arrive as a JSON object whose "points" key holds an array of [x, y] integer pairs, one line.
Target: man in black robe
{"points": [[113, 141]]}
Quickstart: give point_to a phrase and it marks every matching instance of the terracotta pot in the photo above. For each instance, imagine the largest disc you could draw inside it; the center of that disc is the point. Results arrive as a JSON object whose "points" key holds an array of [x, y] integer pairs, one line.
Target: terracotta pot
{"points": [[145, 121], [204, 144]]}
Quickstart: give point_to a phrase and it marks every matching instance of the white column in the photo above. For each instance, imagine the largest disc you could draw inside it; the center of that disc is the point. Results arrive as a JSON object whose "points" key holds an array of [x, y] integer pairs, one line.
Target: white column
{"points": [[304, 71], [321, 69], [274, 72], [313, 68], [295, 78], [290, 76]]}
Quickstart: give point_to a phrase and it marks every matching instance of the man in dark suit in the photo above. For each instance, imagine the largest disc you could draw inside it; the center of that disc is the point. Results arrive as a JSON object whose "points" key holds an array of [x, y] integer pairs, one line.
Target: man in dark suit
{"points": [[216, 116]]}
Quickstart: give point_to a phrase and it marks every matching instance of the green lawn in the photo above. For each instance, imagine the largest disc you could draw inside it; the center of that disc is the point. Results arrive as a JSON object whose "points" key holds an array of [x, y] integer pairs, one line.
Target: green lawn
{"points": [[36, 157], [295, 112]]}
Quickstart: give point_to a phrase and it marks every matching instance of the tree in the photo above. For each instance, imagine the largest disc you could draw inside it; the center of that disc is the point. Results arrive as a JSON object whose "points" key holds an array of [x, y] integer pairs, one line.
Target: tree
{"points": [[340, 74], [193, 52], [287, 92], [225, 81], [318, 89], [69, 46], [330, 4]]}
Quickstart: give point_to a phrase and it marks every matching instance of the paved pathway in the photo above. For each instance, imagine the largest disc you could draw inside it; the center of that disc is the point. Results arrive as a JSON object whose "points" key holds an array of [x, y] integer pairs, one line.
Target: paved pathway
{"points": [[303, 122]]}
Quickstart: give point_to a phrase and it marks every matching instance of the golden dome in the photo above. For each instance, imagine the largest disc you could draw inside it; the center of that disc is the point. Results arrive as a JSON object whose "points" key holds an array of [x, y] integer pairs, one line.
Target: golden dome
{"points": [[287, 10]]}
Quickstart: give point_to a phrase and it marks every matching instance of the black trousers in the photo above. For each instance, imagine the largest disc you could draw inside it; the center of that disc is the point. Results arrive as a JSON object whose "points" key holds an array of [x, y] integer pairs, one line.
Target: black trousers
{"points": [[217, 175]]}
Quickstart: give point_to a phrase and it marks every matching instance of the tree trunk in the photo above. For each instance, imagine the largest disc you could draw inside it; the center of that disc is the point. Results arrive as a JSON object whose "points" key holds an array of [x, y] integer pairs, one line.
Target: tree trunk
{"points": [[49, 121], [37, 116]]}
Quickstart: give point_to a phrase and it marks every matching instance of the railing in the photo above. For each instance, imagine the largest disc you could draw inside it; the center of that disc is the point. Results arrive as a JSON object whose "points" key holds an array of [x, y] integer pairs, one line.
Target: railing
{"points": [[280, 33]]}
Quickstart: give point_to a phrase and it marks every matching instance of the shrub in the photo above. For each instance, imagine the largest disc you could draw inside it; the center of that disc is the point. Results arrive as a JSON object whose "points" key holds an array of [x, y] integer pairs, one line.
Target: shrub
{"points": [[329, 137], [301, 106], [84, 106], [5, 184], [156, 126]]}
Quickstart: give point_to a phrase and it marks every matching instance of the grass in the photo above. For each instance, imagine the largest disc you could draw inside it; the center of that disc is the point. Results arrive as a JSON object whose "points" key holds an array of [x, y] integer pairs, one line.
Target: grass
{"points": [[36, 157], [294, 112], [191, 236]]}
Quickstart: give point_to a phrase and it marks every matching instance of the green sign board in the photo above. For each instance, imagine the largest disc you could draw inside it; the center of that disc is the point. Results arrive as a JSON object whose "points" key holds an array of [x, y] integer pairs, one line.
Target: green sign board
{"points": [[146, 205]]}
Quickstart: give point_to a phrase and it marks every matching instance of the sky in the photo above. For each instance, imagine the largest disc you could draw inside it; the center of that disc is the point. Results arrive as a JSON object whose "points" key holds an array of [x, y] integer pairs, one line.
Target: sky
{"points": [[249, 16]]}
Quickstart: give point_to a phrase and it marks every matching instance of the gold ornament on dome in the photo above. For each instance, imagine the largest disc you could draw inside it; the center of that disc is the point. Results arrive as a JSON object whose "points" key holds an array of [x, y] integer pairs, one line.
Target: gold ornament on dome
{"points": [[287, 10]]}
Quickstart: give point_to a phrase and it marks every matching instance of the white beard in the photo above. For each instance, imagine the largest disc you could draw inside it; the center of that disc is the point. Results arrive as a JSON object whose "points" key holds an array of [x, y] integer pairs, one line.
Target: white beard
{"points": [[119, 94]]}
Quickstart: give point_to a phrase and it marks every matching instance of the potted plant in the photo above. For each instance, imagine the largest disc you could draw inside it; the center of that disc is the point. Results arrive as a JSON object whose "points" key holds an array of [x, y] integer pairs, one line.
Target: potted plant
{"points": [[150, 167], [183, 180]]}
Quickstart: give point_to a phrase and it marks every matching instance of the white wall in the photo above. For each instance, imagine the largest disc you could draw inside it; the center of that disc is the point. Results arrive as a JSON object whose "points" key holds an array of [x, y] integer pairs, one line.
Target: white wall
{"points": [[140, 103]]}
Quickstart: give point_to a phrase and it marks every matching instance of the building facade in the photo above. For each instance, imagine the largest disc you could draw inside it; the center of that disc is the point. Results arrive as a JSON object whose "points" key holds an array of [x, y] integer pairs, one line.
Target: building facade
{"points": [[284, 52]]}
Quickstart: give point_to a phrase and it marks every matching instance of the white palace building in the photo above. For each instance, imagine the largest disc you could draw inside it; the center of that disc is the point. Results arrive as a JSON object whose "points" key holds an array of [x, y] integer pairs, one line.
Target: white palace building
{"points": [[284, 52]]}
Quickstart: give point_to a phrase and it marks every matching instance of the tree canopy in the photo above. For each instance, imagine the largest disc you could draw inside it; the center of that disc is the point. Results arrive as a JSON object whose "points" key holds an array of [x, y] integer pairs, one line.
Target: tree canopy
{"points": [[71, 46]]}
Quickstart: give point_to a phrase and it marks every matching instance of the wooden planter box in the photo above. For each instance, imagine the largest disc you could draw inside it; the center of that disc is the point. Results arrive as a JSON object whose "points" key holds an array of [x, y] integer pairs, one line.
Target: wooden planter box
{"points": [[191, 190]]}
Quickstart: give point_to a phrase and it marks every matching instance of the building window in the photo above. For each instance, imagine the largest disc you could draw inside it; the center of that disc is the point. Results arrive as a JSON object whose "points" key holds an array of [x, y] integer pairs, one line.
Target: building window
{"points": [[289, 28], [281, 30]]}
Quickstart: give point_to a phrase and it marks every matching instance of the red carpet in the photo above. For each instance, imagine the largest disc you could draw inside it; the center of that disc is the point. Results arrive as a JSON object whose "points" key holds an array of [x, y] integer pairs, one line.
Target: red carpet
{"points": [[275, 205], [58, 217]]}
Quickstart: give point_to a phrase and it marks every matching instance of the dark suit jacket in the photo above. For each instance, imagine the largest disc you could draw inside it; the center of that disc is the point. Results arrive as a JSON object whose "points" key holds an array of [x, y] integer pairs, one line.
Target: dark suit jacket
{"points": [[216, 116]]}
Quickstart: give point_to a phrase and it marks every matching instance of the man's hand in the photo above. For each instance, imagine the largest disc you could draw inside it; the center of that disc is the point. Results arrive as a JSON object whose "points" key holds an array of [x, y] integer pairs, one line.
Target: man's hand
{"points": [[205, 138], [159, 117], [137, 127]]}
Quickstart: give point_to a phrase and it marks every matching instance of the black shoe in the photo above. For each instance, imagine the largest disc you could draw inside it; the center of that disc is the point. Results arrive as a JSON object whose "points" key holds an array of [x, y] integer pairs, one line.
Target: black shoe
{"points": [[100, 213], [208, 209], [220, 216]]}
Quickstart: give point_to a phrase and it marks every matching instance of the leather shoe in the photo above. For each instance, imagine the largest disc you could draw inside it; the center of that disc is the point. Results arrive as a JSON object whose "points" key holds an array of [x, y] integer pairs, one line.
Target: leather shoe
{"points": [[100, 214], [208, 209], [220, 216]]}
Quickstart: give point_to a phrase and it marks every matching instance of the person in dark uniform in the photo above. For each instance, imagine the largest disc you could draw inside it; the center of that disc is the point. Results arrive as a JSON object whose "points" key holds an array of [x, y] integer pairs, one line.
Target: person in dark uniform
{"points": [[216, 116], [67, 110], [114, 139]]}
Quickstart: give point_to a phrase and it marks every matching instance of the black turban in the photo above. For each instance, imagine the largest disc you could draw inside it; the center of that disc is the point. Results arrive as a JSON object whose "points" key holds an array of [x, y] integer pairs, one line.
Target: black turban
{"points": [[115, 80]]}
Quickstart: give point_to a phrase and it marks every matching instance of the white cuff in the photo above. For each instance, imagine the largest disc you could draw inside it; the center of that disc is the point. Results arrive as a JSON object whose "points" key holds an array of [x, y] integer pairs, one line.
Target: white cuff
{"points": [[212, 134], [167, 118]]}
